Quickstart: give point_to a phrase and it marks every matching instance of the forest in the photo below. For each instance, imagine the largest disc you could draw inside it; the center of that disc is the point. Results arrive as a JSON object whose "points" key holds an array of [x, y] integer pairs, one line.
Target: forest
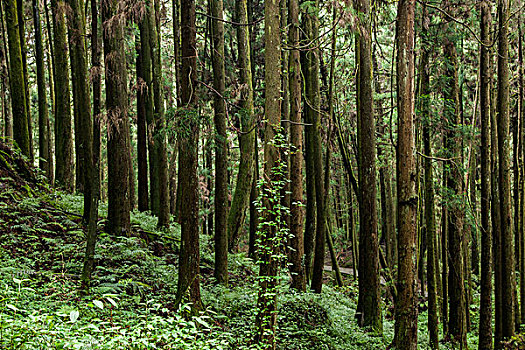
{"points": [[262, 174]]}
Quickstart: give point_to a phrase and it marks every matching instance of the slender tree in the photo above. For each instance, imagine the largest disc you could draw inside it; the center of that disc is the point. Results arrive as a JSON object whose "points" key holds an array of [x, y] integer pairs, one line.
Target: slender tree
{"points": [[369, 286], [22, 33], [485, 311], [81, 101], [312, 97], [189, 259], [159, 127], [424, 103], [457, 326], [44, 133], [241, 195], [508, 282], [221, 146], [64, 173], [296, 158], [16, 79], [118, 123], [269, 246], [406, 309]]}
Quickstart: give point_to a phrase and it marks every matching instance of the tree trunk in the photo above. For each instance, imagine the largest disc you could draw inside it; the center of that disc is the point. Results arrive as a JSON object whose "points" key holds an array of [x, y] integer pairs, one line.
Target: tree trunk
{"points": [[159, 128], [508, 282], [44, 133], [313, 106], [369, 286], [221, 146], [406, 309], [142, 148], [189, 259], [22, 34], [430, 223], [118, 123], [84, 125], [16, 80], [485, 309], [296, 155], [64, 173], [241, 195], [269, 246], [457, 326]]}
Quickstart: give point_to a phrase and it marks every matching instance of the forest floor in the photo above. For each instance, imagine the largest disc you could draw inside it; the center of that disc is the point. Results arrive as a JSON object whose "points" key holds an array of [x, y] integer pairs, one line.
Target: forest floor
{"points": [[132, 301]]}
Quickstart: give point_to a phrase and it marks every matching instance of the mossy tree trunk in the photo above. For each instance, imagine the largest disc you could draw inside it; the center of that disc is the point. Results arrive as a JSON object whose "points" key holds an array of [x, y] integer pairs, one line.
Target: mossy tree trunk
{"points": [[241, 195], [508, 282], [485, 309], [118, 122], [64, 173], [159, 128], [22, 33], [221, 146], [312, 97], [82, 101], [16, 79], [457, 321], [188, 287], [44, 132]]}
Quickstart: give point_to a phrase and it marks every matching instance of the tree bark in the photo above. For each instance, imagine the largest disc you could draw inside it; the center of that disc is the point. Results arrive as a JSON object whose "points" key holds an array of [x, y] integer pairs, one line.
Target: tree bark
{"points": [[118, 123], [508, 282], [369, 286], [241, 194], [269, 246], [16, 80], [64, 173], [81, 102], [44, 132], [406, 309], [221, 146], [430, 223], [485, 309], [189, 259], [159, 128], [296, 157]]}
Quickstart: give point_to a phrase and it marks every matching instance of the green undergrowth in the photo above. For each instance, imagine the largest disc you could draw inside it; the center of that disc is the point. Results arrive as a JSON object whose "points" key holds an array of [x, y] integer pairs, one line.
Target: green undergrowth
{"points": [[132, 300]]}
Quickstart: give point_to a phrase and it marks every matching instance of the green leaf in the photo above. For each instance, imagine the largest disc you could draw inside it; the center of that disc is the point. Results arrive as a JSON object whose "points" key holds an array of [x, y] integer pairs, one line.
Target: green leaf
{"points": [[98, 304], [73, 315]]}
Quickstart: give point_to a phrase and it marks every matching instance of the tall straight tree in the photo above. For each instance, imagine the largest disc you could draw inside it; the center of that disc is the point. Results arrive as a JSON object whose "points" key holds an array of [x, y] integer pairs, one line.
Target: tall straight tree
{"points": [[313, 115], [508, 282], [369, 286], [266, 319], [485, 309], [406, 309], [221, 146], [64, 173], [22, 33], [44, 132], [145, 115], [296, 157], [81, 101], [16, 79], [457, 322], [142, 147], [247, 135], [118, 122], [189, 258], [159, 127], [424, 103]]}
